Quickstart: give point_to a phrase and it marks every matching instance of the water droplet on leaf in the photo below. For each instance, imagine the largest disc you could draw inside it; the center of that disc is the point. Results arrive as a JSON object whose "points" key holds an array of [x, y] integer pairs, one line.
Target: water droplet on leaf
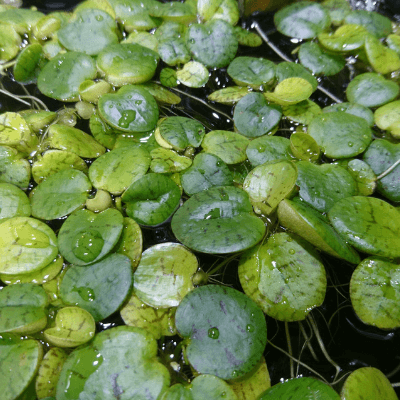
{"points": [[213, 333]]}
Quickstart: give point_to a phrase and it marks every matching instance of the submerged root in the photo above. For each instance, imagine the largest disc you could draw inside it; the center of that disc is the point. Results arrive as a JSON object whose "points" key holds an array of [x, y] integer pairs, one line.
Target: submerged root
{"points": [[322, 346], [299, 362]]}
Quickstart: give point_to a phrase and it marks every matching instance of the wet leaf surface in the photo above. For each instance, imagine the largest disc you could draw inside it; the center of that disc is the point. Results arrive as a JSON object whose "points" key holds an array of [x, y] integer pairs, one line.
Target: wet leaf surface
{"points": [[227, 334], [218, 220], [100, 288]]}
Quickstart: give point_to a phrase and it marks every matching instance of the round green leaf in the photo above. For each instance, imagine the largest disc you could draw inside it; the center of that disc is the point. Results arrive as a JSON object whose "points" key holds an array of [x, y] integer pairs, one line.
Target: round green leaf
{"points": [[102, 132], [49, 372], [393, 41], [218, 220], [230, 147], [303, 20], [173, 51], [339, 134], [228, 10], [15, 132], [130, 243], [302, 112], [23, 308], [345, 38], [122, 64], [164, 275], [387, 116], [168, 77], [367, 381], [117, 169], [86, 237], [252, 71], [363, 175], [10, 42], [43, 275], [60, 194], [53, 161], [319, 61], [285, 70], [89, 31], [377, 24], [382, 59], [290, 91], [158, 321], [13, 202], [193, 74], [304, 388], [338, 9], [73, 327], [61, 76], [173, 11], [27, 65], [181, 132], [65, 137], [268, 148], [268, 184], [202, 387], [214, 44], [371, 90], [26, 245], [321, 186], [352, 108], [152, 199], [99, 288], [381, 155], [38, 120], [230, 95], [314, 227], [304, 147], [371, 225], [134, 14], [375, 294], [145, 39], [13, 168], [160, 93], [131, 109], [206, 171], [13, 349], [253, 116], [285, 277], [247, 38], [119, 363], [21, 19], [226, 330]]}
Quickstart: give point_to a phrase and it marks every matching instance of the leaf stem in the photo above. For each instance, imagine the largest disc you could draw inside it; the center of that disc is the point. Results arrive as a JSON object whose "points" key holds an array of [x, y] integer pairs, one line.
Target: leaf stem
{"points": [[222, 264], [389, 170], [264, 36], [289, 345]]}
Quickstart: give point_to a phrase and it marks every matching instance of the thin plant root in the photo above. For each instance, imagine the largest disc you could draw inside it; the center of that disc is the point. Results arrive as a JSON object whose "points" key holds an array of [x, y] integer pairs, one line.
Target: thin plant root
{"points": [[308, 341], [299, 362], [389, 170], [322, 346], [394, 372]]}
